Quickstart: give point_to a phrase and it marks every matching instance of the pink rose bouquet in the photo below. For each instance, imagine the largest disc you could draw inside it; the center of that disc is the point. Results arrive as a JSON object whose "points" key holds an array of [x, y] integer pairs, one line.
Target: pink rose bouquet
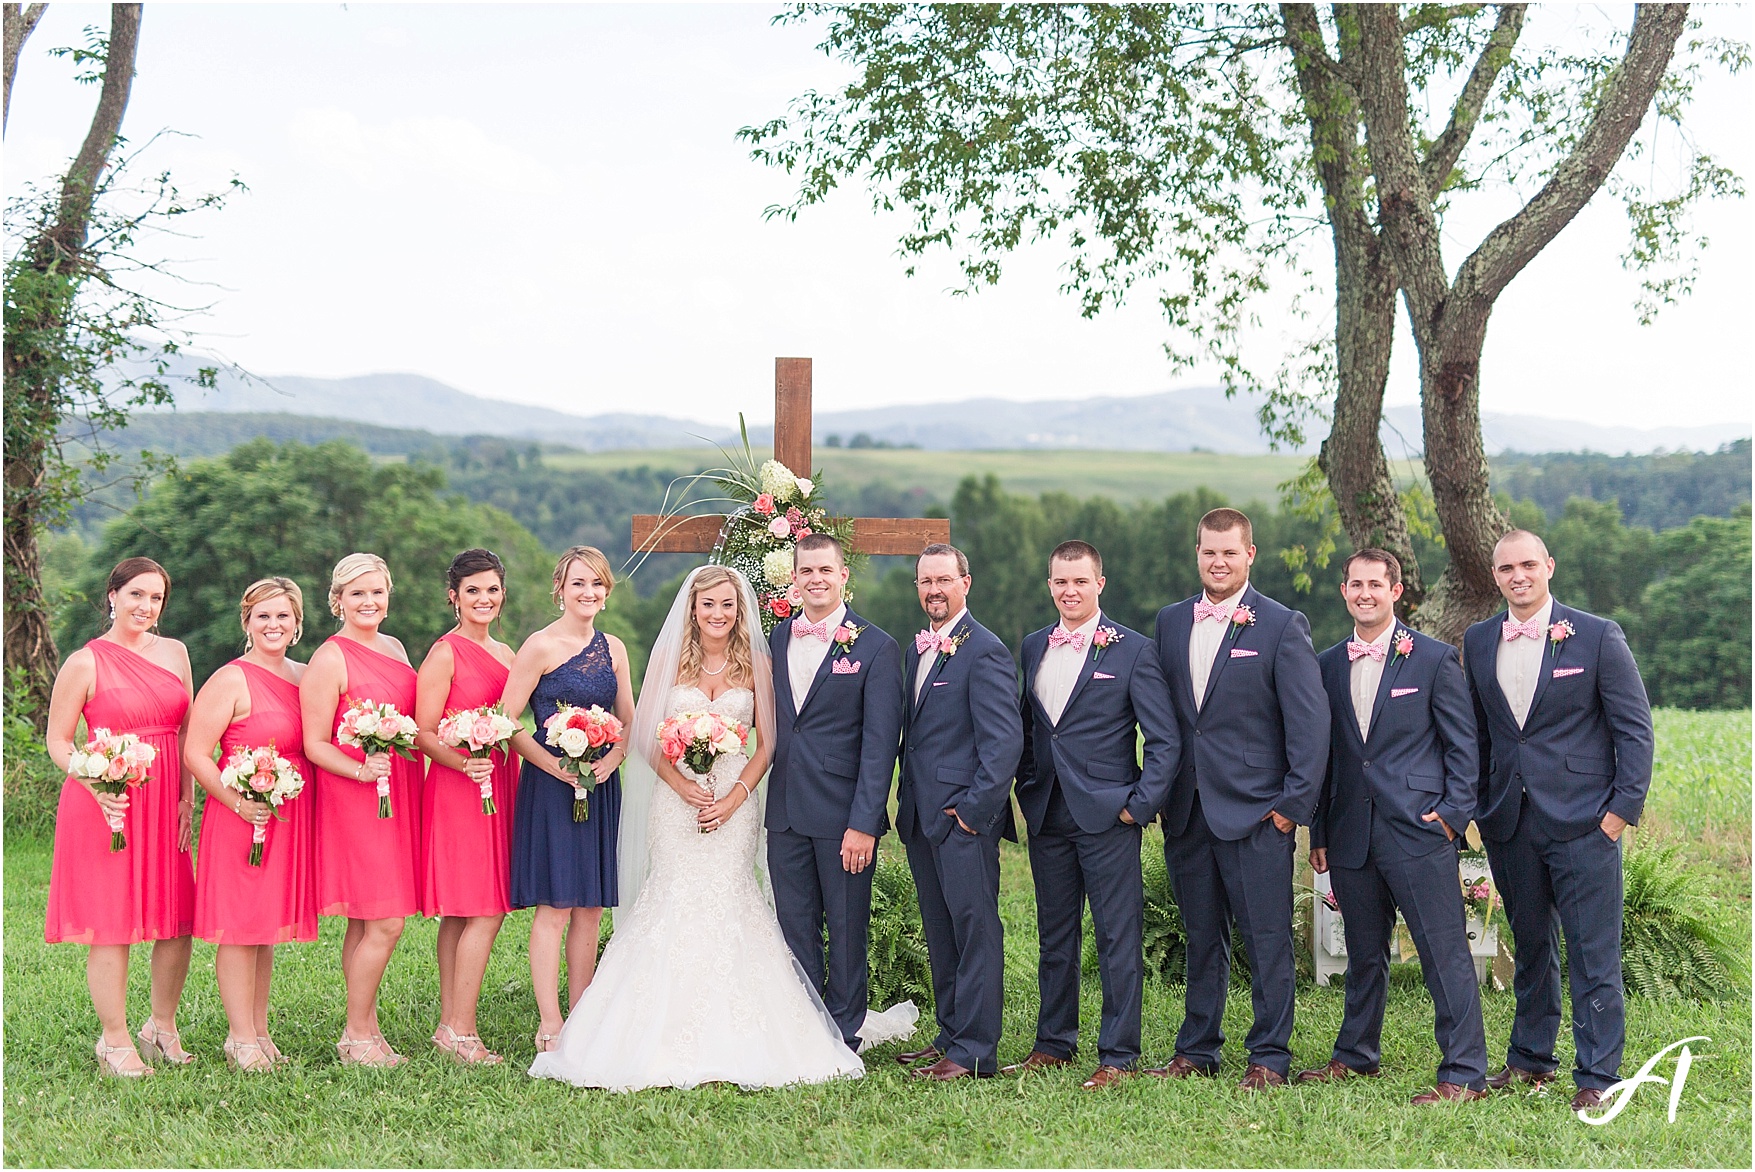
{"points": [[582, 735], [377, 728], [113, 763], [262, 775], [696, 739], [479, 732]]}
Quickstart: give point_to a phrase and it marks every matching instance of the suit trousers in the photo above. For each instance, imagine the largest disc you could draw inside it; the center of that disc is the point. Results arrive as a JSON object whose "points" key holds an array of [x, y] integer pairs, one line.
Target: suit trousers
{"points": [[1427, 890], [1068, 867], [811, 890], [1247, 882], [1573, 884], [957, 882]]}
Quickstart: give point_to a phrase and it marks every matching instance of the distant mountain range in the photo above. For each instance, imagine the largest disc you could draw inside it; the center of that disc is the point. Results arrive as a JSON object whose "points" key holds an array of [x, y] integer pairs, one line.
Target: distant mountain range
{"points": [[1195, 419]]}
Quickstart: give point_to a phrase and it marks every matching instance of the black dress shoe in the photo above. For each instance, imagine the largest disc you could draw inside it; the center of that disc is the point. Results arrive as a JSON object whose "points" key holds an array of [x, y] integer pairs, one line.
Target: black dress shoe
{"points": [[1511, 1076], [924, 1054]]}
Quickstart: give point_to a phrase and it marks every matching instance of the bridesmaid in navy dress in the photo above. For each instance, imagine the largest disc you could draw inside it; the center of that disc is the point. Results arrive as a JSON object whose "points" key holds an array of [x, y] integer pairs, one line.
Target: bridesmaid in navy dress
{"points": [[566, 870]]}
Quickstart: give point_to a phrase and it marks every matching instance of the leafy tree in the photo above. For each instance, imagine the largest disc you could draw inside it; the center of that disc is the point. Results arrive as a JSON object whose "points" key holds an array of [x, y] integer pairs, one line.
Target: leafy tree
{"points": [[217, 525], [1599, 563], [1692, 636], [1186, 146], [1660, 491]]}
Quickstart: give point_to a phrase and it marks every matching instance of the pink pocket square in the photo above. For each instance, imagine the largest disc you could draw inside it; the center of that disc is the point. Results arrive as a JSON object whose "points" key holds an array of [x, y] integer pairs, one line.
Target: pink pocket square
{"points": [[844, 667], [1567, 671], [1395, 692], [941, 683], [1101, 675], [1242, 653]]}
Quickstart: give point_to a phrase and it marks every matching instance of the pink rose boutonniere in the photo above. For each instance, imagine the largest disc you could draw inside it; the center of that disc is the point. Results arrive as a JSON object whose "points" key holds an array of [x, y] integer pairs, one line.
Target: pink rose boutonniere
{"points": [[1559, 632], [1242, 617], [1101, 638], [1403, 646], [846, 635]]}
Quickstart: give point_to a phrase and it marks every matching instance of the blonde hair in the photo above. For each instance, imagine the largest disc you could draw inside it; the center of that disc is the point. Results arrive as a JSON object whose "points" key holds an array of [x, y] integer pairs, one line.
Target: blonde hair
{"points": [[594, 561], [737, 652], [265, 590], [350, 567]]}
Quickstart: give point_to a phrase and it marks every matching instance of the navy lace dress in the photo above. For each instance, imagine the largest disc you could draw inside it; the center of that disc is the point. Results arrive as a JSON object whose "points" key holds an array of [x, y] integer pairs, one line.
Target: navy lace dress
{"points": [[555, 860]]}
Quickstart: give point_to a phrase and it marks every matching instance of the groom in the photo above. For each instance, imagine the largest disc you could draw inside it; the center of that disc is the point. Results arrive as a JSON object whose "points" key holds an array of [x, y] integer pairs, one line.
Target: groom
{"points": [[838, 720]]}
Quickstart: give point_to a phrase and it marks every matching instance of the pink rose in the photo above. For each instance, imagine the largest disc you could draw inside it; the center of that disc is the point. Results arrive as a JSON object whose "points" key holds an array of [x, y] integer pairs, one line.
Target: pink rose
{"points": [[118, 769], [1405, 644], [779, 527], [843, 633], [595, 735], [764, 504], [1560, 631], [483, 732], [262, 782]]}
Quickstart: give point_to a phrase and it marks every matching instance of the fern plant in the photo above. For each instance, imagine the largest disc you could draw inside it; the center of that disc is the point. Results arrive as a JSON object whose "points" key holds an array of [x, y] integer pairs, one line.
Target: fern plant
{"points": [[897, 942], [1669, 949]]}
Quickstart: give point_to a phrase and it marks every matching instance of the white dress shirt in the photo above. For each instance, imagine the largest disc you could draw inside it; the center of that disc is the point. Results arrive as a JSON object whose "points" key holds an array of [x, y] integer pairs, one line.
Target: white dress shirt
{"points": [[1203, 644], [1520, 664], [1367, 673], [926, 661], [805, 656], [1059, 669]]}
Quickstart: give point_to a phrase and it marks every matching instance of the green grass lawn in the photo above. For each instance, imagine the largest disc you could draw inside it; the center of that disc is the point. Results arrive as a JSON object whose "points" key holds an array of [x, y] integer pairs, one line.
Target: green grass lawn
{"points": [[58, 1111]]}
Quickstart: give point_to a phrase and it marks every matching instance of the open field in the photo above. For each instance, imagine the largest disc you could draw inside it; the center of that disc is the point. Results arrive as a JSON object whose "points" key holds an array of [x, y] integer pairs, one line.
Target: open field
{"points": [[1123, 476], [58, 1111]]}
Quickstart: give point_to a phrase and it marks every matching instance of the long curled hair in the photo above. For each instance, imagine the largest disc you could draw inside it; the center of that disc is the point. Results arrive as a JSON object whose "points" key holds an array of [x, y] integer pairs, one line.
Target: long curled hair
{"points": [[688, 668]]}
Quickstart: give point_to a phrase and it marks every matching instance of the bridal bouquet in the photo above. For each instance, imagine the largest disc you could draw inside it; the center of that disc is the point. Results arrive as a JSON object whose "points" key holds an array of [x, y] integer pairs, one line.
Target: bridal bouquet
{"points": [[478, 732], [113, 763], [697, 739], [582, 735], [377, 728], [262, 775]]}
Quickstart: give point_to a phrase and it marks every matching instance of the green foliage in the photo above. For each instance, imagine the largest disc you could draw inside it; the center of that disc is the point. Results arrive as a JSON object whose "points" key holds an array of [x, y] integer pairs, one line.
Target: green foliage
{"points": [[1693, 633], [1670, 949], [289, 509], [1660, 491], [1600, 564], [897, 942], [32, 783]]}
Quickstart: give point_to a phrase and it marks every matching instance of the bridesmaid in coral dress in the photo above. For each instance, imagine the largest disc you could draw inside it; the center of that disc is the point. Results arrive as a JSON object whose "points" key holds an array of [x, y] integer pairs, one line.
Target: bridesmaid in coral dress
{"points": [[367, 867], [466, 853], [253, 702], [129, 680]]}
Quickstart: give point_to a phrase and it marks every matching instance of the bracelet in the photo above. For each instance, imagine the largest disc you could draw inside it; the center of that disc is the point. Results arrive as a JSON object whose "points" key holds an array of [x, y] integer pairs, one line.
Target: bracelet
{"points": [[747, 791], [359, 771]]}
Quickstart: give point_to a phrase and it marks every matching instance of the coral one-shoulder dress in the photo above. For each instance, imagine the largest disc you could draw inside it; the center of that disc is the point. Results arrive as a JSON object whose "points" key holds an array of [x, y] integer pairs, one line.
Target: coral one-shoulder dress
{"points": [[467, 854], [146, 890], [368, 868], [276, 902]]}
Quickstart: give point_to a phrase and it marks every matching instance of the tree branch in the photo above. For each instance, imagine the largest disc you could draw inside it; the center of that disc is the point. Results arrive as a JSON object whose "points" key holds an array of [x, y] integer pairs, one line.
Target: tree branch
{"points": [[1626, 95], [79, 188], [20, 23], [1442, 158]]}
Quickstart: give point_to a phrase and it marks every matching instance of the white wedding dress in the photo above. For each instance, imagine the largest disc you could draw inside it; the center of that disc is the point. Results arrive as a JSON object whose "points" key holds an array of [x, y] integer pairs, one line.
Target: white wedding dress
{"points": [[697, 984]]}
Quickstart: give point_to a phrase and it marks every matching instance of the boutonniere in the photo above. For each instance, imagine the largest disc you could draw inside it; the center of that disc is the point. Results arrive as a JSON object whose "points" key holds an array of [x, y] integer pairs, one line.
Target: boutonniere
{"points": [[1242, 617], [846, 635], [1559, 632], [1403, 646], [1101, 638]]}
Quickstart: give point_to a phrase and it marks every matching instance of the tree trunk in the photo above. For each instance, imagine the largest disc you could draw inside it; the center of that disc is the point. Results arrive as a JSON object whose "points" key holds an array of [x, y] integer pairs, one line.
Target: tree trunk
{"points": [[34, 398], [20, 21], [1449, 318]]}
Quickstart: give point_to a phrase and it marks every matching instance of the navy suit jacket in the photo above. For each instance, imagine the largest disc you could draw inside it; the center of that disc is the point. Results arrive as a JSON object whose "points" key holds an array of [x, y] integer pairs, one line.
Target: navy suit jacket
{"points": [[1421, 755], [1586, 747], [1259, 741], [1092, 749], [835, 756], [961, 739]]}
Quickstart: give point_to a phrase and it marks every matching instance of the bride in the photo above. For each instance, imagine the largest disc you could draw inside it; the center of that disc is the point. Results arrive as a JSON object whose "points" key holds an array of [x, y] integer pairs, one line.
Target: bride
{"points": [[697, 984]]}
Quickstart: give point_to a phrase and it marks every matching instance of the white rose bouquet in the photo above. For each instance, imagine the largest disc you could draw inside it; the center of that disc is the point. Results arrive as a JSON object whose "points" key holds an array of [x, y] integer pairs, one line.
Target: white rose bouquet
{"points": [[262, 775]]}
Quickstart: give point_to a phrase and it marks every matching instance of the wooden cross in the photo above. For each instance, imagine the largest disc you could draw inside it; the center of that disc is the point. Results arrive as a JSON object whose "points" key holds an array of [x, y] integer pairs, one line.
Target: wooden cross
{"points": [[871, 535]]}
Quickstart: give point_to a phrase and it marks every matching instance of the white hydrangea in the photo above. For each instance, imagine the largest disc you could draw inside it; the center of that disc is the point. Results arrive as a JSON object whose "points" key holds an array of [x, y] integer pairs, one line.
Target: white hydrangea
{"points": [[778, 481], [777, 567]]}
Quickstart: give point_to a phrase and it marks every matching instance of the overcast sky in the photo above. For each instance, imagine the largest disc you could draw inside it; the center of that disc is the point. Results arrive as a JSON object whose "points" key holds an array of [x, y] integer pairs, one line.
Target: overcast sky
{"points": [[545, 203]]}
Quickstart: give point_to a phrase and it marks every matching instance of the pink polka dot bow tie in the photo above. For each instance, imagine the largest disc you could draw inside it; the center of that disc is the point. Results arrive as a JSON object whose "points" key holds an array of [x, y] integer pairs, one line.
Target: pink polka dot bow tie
{"points": [[1060, 635], [1358, 650], [1204, 610], [1531, 629], [803, 629]]}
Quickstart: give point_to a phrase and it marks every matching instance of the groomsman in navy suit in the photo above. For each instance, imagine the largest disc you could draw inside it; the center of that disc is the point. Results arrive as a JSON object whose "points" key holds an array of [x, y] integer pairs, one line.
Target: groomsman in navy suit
{"points": [[838, 700], [961, 736], [1566, 749], [1403, 768], [1254, 720], [1091, 690]]}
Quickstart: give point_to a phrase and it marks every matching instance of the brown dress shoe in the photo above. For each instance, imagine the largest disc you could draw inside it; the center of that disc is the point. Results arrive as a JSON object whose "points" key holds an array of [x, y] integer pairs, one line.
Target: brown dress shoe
{"points": [[1335, 1071], [1180, 1067], [1260, 1078], [944, 1070], [924, 1054], [1036, 1061], [1448, 1092], [1105, 1076], [1586, 1099], [1508, 1078]]}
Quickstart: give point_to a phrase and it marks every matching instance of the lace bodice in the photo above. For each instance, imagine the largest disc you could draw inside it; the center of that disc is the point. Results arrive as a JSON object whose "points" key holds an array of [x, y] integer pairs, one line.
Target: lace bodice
{"points": [[586, 679]]}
